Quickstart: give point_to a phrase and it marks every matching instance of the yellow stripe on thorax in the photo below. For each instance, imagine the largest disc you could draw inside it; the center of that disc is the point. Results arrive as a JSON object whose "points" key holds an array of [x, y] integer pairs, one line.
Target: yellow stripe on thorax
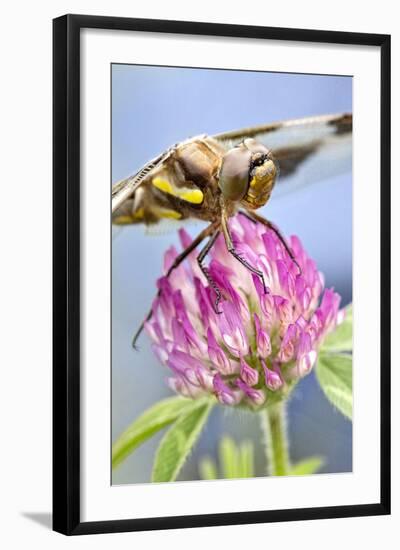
{"points": [[194, 196], [167, 214]]}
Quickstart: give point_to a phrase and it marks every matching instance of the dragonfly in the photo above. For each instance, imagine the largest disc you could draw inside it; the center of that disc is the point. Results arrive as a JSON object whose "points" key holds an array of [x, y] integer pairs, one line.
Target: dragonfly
{"points": [[212, 178]]}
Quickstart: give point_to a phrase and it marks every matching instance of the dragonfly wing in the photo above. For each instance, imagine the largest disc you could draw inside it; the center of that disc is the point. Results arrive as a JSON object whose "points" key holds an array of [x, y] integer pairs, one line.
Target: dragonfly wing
{"points": [[124, 189], [307, 150], [328, 158]]}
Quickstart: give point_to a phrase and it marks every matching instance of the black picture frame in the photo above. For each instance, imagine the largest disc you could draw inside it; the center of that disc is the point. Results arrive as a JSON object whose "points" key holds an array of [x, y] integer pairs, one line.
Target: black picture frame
{"points": [[66, 273]]}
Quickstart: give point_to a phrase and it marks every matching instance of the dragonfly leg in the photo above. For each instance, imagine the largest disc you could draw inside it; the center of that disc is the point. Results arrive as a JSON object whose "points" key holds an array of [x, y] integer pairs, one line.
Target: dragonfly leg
{"points": [[206, 273], [178, 260], [231, 248], [254, 217]]}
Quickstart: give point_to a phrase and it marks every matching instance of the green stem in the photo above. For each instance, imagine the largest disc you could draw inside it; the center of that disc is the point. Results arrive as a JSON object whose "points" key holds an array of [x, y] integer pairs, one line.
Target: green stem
{"points": [[277, 447]]}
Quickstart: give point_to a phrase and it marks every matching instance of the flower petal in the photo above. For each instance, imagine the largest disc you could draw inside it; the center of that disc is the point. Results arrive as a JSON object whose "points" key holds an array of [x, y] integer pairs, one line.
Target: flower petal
{"points": [[257, 397], [225, 394], [273, 380], [217, 356], [262, 339], [232, 330], [247, 373]]}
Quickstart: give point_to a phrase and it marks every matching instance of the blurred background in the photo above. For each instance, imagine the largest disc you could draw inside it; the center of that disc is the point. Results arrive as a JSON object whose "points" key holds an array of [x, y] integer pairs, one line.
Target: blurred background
{"points": [[153, 108]]}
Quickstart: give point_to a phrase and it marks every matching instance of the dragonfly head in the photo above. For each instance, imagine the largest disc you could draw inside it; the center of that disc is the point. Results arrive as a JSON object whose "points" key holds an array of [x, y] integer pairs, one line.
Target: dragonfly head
{"points": [[248, 173]]}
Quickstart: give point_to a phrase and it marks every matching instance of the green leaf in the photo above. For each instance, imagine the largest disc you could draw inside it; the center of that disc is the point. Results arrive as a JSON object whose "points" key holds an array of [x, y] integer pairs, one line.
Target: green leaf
{"points": [[342, 337], [236, 461], [246, 460], [149, 423], [334, 374], [307, 467], [229, 458], [208, 469], [178, 441]]}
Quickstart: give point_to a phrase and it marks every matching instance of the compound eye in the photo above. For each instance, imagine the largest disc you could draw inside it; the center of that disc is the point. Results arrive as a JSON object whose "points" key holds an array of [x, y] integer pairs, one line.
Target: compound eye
{"points": [[234, 173]]}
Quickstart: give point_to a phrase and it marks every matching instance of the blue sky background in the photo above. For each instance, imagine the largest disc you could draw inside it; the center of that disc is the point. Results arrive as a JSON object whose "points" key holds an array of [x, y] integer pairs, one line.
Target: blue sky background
{"points": [[154, 107]]}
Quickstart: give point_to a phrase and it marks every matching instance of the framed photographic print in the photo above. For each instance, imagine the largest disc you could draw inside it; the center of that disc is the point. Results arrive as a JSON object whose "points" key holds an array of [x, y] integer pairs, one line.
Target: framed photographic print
{"points": [[221, 274]]}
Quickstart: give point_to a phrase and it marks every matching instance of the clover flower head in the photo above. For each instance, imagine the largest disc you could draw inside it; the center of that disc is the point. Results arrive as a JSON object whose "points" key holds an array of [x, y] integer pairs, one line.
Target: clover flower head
{"points": [[261, 343]]}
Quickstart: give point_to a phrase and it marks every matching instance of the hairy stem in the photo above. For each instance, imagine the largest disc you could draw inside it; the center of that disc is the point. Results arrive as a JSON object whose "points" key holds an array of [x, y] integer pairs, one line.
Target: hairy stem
{"points": [[276, 440]]}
